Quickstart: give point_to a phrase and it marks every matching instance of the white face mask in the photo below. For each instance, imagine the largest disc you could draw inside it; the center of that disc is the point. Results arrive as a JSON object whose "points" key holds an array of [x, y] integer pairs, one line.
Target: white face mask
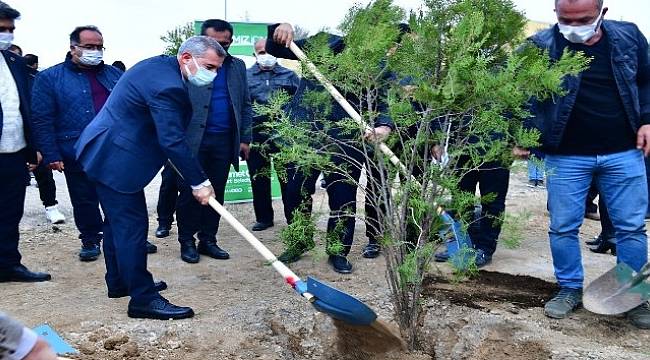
{"points": [[203, 76], [580, 34], [267, 60], [91, 57], [6, 39]]}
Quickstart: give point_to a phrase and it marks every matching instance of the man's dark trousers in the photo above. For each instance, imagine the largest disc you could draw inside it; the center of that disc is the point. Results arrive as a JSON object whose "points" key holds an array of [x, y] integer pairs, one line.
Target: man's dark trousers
{"points": [[167, 196], [342, 195], [85, 204], [46, 185], [12, 198], [125, 251], [259, 169], [215, 156], [493, 180]]}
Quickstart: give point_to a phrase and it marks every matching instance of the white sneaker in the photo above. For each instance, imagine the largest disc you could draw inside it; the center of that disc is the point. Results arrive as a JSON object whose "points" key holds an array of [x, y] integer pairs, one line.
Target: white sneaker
{"points": [[54, 215]]}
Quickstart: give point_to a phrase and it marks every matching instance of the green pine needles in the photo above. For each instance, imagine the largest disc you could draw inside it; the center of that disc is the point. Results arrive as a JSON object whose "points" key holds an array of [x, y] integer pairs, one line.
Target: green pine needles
{"points": [[461, 80]]}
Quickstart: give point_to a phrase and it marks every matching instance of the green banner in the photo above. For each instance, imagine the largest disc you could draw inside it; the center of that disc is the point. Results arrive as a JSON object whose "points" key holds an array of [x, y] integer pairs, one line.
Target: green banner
{"points": [[244, 38], [238, 187]]}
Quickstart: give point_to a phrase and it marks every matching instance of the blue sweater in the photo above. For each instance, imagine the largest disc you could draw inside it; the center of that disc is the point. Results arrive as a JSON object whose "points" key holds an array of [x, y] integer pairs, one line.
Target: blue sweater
{"points": [[220, 116]]}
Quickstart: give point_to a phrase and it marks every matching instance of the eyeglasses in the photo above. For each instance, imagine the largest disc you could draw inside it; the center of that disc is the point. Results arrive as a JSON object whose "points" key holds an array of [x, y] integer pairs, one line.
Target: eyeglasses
{"points": [[9, 29], [91, 47]]}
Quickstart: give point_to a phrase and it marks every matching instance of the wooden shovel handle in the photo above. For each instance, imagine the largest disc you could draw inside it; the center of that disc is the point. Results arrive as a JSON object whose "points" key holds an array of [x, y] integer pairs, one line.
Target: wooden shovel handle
{"points": [[344, 103]]}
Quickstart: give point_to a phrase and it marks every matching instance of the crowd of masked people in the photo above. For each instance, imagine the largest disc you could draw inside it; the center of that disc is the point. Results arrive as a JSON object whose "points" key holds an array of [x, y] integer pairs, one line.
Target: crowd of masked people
{"points": [[110, 132]]}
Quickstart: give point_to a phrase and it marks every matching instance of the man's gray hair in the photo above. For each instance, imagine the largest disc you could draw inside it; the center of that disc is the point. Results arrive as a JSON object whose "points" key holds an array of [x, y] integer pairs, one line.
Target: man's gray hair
{"points": [[598, 2], [197, 46]]}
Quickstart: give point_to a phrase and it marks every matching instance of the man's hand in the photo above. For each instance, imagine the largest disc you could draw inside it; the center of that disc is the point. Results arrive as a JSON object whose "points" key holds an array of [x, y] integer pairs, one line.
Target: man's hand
{"points": [[57, 165], [643, 139], [39, 159], [520, 153], [437, 152], [378, 134], [244, 151], [203, 194], [41, 351], [283, 34]]}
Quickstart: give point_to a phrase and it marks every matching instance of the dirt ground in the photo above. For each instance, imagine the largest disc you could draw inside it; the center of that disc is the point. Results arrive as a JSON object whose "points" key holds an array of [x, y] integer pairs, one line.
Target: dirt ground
{"points": [[244, 311]]}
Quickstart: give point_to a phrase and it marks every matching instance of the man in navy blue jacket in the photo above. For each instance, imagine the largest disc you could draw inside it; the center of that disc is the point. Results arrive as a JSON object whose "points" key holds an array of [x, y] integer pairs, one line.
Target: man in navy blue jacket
{"points": [[65, 98], [140, 127], [15, 150], [598, 132]]}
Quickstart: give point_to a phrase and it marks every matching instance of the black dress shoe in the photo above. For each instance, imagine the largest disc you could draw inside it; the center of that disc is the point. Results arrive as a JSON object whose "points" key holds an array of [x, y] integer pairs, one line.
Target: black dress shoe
{"points": [[20, 273], [371, 251], [595, 241], [292, 255], [151, 248], [160, 309], [162, 231], [158, 286], [212, 250], [441, 256], [89, 252], [605, 245], [189, 254], [340, 264], [261, 226]]}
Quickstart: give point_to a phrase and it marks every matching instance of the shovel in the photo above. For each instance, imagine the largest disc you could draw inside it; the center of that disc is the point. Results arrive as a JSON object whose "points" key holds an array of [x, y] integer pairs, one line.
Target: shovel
{"points": [[617, 291], [459, 247], [323, 297]]}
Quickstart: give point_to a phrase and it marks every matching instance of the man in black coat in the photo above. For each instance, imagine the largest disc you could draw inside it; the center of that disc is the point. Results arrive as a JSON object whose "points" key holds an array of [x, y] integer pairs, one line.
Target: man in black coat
{"points": [[219, 132], [15, 151]]}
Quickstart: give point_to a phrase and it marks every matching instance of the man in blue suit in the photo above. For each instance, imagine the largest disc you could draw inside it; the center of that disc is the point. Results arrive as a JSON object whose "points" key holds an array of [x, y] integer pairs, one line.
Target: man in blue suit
{"points": [[142, 125], [15, 151]]}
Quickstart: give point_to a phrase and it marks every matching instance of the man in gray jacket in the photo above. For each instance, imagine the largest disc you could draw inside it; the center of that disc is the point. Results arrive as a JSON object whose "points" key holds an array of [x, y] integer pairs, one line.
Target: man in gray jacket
{"points": [[219, 132], [265, 78]]}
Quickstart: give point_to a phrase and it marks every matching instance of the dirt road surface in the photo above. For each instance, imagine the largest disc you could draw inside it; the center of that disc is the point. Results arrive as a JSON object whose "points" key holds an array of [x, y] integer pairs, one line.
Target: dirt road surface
{"points": [[244, 311]]}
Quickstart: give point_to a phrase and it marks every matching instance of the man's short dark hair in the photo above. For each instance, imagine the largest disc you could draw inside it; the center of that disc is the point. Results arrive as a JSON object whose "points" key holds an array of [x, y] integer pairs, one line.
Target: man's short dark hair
{"points": [[599, 3], [7, 12], [120, 65], [31, 59], [75, 35], [16, 49], [217, 25]]}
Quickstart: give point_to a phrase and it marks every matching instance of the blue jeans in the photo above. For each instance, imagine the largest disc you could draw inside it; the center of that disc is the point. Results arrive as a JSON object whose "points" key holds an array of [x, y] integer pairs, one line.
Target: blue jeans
{"points": [[535, 172], [621, 180]]}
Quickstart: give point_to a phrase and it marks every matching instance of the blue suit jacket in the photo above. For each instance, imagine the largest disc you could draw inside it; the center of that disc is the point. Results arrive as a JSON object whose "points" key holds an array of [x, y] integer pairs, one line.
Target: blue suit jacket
{"points": [[141, 125], [19, 70]]}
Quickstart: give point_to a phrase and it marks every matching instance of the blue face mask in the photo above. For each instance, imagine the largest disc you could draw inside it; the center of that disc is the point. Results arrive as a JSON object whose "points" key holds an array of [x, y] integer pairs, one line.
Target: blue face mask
{"points": [[203, 76]]}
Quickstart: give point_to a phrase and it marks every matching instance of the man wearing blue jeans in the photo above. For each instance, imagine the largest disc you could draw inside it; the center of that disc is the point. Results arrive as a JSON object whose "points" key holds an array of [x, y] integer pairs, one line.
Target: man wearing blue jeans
{"points": [[596, 132]]}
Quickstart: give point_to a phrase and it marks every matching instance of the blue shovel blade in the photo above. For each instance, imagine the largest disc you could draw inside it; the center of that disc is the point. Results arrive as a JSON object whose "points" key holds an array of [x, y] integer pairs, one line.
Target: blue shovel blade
{"points": [[54, 340], [339, 305]]}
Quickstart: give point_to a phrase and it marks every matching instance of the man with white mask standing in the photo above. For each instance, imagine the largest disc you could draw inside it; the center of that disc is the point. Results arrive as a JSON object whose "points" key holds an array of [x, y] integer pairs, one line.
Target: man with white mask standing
{"points": [[265, 78], [65, 98], [598, 131], [15, 150]]}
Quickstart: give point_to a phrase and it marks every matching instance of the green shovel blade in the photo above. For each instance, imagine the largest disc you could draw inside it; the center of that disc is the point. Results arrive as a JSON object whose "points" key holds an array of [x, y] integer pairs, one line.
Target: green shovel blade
{"points": [[617, 291]]}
